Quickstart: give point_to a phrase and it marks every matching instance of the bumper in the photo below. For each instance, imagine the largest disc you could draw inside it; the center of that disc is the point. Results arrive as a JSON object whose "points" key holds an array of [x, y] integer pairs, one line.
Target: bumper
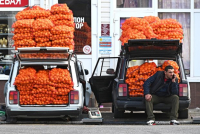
{"points": [[43, 114], [140, 105]]}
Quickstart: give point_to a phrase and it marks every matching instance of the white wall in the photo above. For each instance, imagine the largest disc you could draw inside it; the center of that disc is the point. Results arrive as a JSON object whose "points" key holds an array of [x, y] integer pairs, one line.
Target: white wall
{"points": [[105, 19], [37, 2], [44, 3], [105, 11], [196, 45]]}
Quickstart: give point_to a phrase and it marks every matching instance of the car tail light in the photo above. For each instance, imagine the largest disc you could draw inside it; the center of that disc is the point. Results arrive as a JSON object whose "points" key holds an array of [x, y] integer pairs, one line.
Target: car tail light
{"points": [[183, 90], [122, 90], [74, 97], [13, 97]]}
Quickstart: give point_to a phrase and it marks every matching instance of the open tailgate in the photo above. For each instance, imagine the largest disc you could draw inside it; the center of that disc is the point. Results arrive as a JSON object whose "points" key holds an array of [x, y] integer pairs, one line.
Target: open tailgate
{"points": [[153, 48], [42, 53]]}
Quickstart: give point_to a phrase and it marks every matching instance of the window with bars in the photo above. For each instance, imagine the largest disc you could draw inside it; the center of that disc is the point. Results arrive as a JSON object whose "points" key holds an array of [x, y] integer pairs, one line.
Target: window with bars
{"points": [[174, 4], [184, 19], [134, 3], [197, 4]]}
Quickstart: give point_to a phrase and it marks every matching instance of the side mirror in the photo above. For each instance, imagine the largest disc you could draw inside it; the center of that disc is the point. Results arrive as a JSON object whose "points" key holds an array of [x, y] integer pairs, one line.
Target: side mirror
{"points": [[110, 71], [187, 71], [86, 71]]}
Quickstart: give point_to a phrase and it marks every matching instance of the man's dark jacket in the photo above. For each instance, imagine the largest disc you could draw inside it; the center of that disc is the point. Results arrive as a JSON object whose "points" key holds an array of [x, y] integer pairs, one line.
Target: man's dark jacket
{"points": [[156, 85]]}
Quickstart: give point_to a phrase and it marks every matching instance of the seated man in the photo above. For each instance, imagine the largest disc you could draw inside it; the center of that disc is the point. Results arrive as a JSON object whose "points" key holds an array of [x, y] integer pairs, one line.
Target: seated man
{"points": [[162, 87]]}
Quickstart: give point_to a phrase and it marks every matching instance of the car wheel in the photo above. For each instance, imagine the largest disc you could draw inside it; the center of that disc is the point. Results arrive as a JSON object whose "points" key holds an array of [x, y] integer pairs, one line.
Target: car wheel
{"points": [[118, 113], [183, 114], [11, 120], [112, 108], [145, 112]]}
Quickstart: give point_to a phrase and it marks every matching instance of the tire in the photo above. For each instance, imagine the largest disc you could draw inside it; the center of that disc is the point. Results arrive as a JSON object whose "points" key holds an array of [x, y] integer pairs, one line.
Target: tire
{"points": [[112, 108], [145, 112], [11, 120], [183, 114], [117, 113]]}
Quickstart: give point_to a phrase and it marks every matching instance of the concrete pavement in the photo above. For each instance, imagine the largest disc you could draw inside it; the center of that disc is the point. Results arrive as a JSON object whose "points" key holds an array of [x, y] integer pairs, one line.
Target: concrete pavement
{"points": [[137, 118]]}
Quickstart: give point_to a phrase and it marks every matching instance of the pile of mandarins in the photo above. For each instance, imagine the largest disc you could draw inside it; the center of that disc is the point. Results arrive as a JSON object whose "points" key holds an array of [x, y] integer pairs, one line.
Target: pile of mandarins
{"points": [[136, 28], [43, 87], [61, 15], [63, 32], [168, 29], [23, 35], [151, 27], [137, 75], [37, 27]]}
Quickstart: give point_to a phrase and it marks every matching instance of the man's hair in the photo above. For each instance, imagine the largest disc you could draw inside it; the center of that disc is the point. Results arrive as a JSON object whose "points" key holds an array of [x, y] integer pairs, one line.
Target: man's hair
{"points": [[168, 67]]}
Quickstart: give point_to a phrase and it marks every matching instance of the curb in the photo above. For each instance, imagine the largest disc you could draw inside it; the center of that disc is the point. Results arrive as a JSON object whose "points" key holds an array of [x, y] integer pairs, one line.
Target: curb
{"points": [[103, 123], [143, 123]]}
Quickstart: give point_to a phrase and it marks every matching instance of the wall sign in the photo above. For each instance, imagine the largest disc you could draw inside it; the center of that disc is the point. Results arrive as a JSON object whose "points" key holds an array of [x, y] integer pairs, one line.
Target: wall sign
{"points": [[87, 49], [105, 45], [13, 3], [105, 29]]}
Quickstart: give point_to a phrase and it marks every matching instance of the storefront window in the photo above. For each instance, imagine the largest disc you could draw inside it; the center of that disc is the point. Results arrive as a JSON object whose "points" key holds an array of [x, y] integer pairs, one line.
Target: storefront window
{"points": [[82, 18], [184, 19], [174, 4], [7, 18], [134, 3], [197, 4]]}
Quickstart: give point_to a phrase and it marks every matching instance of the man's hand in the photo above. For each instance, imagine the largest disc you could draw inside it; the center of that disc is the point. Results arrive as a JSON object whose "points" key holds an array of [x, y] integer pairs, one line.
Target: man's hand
{"points": [[148, 97], [174, 79]]}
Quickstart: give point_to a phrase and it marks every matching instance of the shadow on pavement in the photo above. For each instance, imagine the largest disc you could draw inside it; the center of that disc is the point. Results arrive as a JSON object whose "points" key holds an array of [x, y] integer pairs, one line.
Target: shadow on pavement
{"points": [[138, 118]]}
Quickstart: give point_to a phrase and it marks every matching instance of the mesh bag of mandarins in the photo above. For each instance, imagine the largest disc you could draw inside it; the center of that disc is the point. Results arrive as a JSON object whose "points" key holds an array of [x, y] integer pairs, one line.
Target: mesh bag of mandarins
{"points": [[33, 12], [168, 29], [41, 32]]}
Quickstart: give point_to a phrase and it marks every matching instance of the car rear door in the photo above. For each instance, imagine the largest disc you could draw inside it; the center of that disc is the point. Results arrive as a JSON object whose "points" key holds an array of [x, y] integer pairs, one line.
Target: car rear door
{"points": [[101, 81]]}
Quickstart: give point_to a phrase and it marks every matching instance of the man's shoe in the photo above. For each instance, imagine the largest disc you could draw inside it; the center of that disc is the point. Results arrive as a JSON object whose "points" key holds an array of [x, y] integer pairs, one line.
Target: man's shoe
{"points": [[174, 122], [85, 110], [151, 122]]}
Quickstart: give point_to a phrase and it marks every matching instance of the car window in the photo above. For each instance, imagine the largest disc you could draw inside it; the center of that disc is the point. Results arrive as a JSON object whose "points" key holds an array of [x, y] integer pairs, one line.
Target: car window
{"points": [[80, 69], [11, 72], [106, 67]]}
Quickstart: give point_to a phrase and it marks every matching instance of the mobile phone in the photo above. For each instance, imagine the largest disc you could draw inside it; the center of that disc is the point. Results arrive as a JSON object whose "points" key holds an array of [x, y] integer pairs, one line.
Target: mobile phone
{"points": [[173, 76]]}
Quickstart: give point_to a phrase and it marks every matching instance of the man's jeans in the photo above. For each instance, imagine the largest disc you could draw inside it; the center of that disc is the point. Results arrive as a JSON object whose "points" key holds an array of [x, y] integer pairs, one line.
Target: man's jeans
{"points": [[173, 100]]}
